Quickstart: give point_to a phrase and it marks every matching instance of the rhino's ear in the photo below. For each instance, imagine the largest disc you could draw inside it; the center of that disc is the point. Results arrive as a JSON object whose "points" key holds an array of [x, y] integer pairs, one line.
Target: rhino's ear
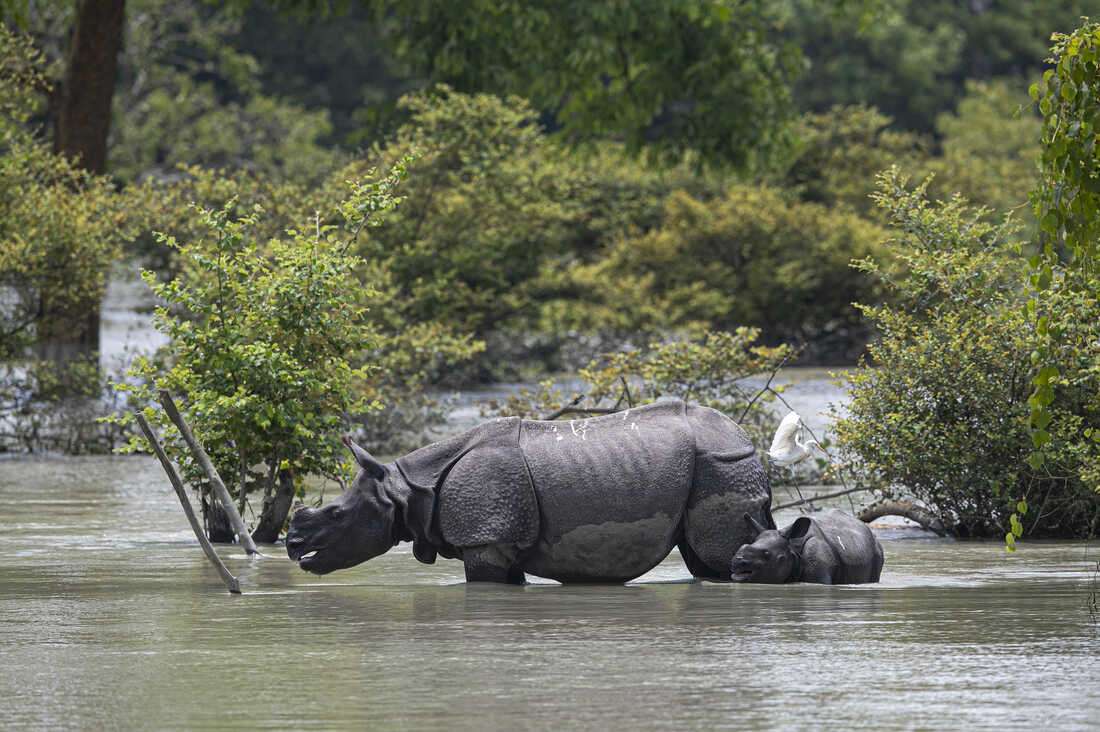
{"points": [[366, 462], [798, 529], [755, 524]]}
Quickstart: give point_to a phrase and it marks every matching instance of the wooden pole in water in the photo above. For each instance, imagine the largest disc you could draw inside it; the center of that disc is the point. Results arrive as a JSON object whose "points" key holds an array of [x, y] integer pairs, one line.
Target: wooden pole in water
{"points": [[229, 580], [215, 480]]}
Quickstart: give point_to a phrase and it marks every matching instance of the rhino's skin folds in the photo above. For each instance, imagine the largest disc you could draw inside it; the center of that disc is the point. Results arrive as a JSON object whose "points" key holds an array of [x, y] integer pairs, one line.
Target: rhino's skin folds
{"points": [[832, 548], [592, 500]]}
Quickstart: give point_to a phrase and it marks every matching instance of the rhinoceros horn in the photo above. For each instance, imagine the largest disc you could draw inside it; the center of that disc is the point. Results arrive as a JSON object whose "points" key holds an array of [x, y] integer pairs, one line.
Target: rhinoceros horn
{"points": [[755, 524], [365, 460]]}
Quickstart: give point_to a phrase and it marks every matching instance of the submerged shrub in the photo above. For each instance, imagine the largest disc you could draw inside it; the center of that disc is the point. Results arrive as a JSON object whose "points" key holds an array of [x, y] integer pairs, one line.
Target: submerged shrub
{"points": [[940, 411]]}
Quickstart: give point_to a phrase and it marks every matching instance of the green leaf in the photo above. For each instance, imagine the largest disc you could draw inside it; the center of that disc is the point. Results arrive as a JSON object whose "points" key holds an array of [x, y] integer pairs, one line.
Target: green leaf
{"points": [[1021, 508], [1036, 460]]}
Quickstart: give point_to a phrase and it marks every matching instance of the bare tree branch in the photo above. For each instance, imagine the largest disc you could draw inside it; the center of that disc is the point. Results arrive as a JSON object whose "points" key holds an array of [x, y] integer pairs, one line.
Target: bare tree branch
{"points": [[211, 473], [230, 581]]}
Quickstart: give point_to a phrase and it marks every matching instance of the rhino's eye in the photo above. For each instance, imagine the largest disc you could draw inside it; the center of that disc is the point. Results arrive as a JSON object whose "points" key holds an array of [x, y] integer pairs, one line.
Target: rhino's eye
{"points": [[337, 513], [767, 554]]}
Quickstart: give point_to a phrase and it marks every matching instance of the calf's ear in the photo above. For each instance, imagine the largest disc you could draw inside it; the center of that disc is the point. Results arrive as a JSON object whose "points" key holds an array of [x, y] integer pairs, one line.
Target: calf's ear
{"points": [[798, 529], [365, 460]]}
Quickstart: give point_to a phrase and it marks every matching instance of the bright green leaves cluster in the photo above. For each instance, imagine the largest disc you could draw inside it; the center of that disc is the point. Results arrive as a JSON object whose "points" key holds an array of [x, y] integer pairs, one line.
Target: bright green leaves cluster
{"points": [[267, 340], [944, 415], [1063, 278], [1016, 526]]}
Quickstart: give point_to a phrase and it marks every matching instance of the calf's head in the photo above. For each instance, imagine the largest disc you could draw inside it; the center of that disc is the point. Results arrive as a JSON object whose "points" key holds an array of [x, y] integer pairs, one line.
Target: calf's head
{"points": [[770, 558], [355, 527]]}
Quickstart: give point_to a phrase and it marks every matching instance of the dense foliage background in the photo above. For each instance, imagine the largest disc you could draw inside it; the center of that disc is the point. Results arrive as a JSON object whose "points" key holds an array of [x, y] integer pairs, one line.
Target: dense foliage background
{"points": [[585, 179]]}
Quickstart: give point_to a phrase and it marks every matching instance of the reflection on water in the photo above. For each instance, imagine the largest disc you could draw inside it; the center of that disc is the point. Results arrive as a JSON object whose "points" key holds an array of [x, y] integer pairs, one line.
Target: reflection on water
{"points": [[111, 617]]}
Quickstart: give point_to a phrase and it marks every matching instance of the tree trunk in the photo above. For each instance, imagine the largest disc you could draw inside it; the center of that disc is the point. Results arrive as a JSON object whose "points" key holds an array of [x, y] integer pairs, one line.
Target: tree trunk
{"points": [[81, 109], [218, 526], [82, 117], [275, 510], [62, 336]]}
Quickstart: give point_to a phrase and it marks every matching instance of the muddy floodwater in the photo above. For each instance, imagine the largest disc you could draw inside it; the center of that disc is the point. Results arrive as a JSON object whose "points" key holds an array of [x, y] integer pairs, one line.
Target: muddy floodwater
{"points": [[110, 617]]}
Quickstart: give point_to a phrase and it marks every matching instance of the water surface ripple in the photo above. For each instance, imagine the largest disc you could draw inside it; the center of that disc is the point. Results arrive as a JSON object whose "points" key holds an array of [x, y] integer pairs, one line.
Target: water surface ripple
{"points": [[110, 617]]}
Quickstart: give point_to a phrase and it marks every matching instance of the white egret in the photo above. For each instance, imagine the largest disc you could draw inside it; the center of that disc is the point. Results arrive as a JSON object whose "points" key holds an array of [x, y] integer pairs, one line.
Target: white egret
{"points": [[786, 448]]}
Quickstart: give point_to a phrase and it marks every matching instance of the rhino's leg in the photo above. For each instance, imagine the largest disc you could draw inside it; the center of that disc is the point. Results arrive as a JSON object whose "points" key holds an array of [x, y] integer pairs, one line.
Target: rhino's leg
{"points": [[725, 488], [492, 563], [695, 565]]}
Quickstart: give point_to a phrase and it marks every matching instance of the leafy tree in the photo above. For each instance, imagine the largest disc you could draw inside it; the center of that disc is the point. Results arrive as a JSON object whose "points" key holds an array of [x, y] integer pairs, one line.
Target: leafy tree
{"points": [[943, 414], [495, 215], [60, 226], [262, 343], [337, 62], [752, 256], [987, 154], [1064, 284], [665, 76], [186, 95], [912, 58]]}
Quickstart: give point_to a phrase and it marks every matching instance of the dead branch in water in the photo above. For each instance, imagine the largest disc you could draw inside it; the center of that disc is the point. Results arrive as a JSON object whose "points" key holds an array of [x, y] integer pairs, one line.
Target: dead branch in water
{"points": [[803, 501], [911, 511], [230, 581], [211, 473]]}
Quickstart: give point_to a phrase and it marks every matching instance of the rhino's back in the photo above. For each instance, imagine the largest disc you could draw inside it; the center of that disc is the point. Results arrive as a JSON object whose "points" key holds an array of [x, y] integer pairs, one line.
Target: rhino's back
{"points": [[611, 491], [857, 551]]}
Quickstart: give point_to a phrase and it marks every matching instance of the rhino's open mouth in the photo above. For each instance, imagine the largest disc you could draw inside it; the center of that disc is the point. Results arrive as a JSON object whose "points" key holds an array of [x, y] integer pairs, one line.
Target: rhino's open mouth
{"points": [[740, 575], [309, 562]]}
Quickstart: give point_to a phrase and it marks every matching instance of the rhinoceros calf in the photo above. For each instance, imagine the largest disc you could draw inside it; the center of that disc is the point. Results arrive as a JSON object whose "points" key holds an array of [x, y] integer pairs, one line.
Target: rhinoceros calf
{"points": [[590, 500], [834, 548]]}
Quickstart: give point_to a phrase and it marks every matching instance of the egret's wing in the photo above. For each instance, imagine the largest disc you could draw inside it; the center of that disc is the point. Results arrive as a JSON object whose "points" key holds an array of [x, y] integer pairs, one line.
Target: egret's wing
{"points": [[784, 435]]}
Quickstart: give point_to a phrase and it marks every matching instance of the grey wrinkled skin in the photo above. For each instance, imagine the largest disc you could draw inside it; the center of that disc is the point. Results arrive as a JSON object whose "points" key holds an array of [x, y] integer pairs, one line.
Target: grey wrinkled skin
{"points": [[833, 548], [592, 500]]}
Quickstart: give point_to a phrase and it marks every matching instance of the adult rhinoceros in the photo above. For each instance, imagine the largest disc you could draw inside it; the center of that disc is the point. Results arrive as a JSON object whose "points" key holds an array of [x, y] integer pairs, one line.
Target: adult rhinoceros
{"points": [[591, 500]]}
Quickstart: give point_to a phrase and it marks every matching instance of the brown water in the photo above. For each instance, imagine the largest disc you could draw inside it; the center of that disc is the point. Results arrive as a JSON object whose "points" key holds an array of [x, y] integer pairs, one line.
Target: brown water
{"points": [[110, 617]]}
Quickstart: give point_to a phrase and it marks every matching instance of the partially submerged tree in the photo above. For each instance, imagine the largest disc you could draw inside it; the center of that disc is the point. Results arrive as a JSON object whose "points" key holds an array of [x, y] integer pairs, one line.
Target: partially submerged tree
{"points": [[943, 415], [264, 341], [60, 232]]}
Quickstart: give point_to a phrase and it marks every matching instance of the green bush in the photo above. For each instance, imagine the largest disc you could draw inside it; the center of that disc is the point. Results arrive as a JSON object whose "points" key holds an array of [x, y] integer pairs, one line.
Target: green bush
{"points": [[259, 358], [942, 415], [752, 256], [60, 227], [840, 151], [495, 216], [408, 355]]}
